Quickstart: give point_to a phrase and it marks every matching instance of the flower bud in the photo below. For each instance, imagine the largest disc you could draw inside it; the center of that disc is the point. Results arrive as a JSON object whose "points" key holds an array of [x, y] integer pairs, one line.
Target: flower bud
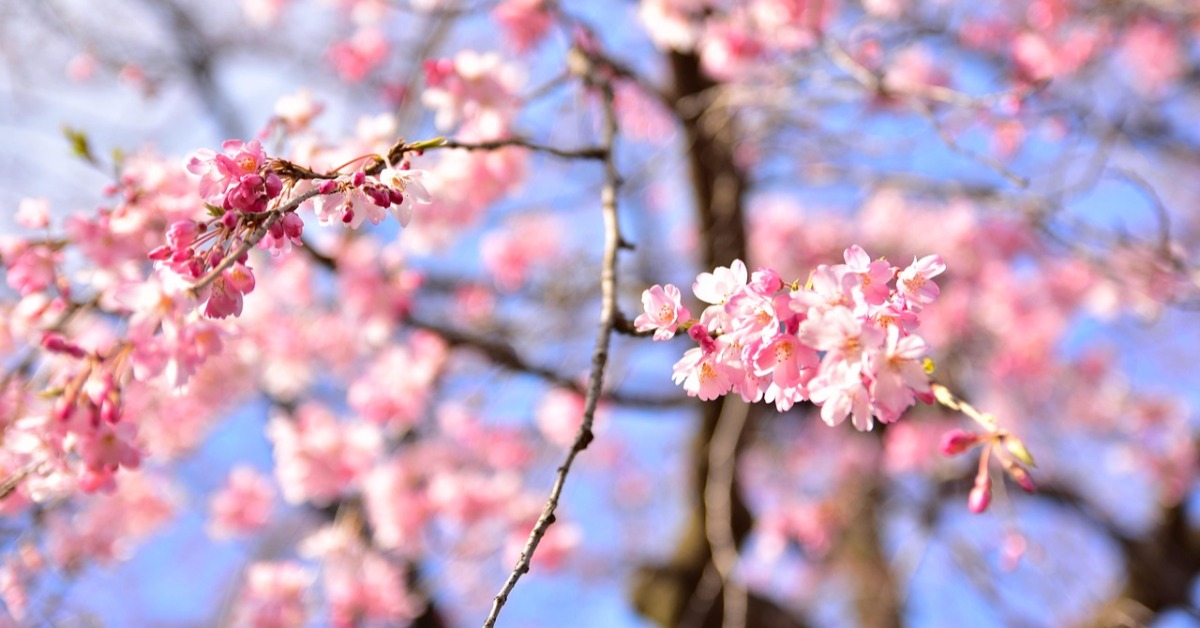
{"points": [[182, 233], [981, 495], [1019, 475], [293, 225], [160, 253], [274, 184], [766, 280], [55, 343], [110, 411], [956, 442]]}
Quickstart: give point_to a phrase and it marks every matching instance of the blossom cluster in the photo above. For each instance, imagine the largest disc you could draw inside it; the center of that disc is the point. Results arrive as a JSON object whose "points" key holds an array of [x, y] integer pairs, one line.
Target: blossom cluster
{"points": [[843, 341], [238, 186]]}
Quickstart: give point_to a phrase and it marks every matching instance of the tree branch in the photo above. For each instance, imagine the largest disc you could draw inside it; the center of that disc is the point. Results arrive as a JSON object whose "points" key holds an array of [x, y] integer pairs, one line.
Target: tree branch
{"points": [[598, 153], [608, 311]]}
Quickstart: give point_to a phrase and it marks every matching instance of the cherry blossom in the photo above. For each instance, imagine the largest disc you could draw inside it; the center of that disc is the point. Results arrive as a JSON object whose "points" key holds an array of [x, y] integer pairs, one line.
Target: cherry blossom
{"points": [[664, 312], [274, 595], [243, 506], [821, 342]]}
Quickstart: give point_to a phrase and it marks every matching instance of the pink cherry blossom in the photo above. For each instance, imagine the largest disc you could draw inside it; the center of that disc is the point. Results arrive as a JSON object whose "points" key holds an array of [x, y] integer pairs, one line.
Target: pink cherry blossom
{"points": [[784, 358], [243, 505], [359, 585], [478, 89], [702, 375], [663, 311], [33, 213], [274, 595], [915, 282], [358, 56], [897, 374], [31, 268], [317, 456], [717, 287], [874, 276], [840, 391], [104, 446], [525, 22]]}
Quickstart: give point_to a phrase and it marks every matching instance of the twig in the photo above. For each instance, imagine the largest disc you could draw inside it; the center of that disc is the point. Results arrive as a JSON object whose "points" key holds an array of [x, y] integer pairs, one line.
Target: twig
{"points": [[984, 160], [594, 152], [608, 310], [503, 354], [873, 82], [506, 356], [14, 479], [1156, 203]]}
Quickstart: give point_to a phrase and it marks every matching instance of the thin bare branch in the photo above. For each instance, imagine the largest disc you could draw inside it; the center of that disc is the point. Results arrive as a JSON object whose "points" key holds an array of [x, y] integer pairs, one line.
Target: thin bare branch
{"points": [[594, 152], [608, 316]]}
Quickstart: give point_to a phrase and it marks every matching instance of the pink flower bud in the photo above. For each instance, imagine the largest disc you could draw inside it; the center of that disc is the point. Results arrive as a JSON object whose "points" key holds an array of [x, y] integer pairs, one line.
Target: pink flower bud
{"points": [[328, 187], [699, 333], [182, 233], [956, 442], [229, 220], [766, 281], [1020, 476], [293, 225], [110, 411], [64, 408], [274, 185], [981, 496], [240, 278], [55, 343], [160, 253]]}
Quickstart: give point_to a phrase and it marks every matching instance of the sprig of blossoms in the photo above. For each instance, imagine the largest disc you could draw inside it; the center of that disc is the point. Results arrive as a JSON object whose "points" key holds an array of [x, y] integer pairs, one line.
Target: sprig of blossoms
{"points": [[844, 340], [239, 186], [1015, 460]]}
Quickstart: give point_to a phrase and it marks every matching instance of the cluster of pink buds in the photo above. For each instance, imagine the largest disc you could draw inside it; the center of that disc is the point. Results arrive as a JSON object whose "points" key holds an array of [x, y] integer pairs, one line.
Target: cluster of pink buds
{"points": [[184, 253], [1007, 448], [844, 340], [359, 197], [238, 186], [88, 414]]}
